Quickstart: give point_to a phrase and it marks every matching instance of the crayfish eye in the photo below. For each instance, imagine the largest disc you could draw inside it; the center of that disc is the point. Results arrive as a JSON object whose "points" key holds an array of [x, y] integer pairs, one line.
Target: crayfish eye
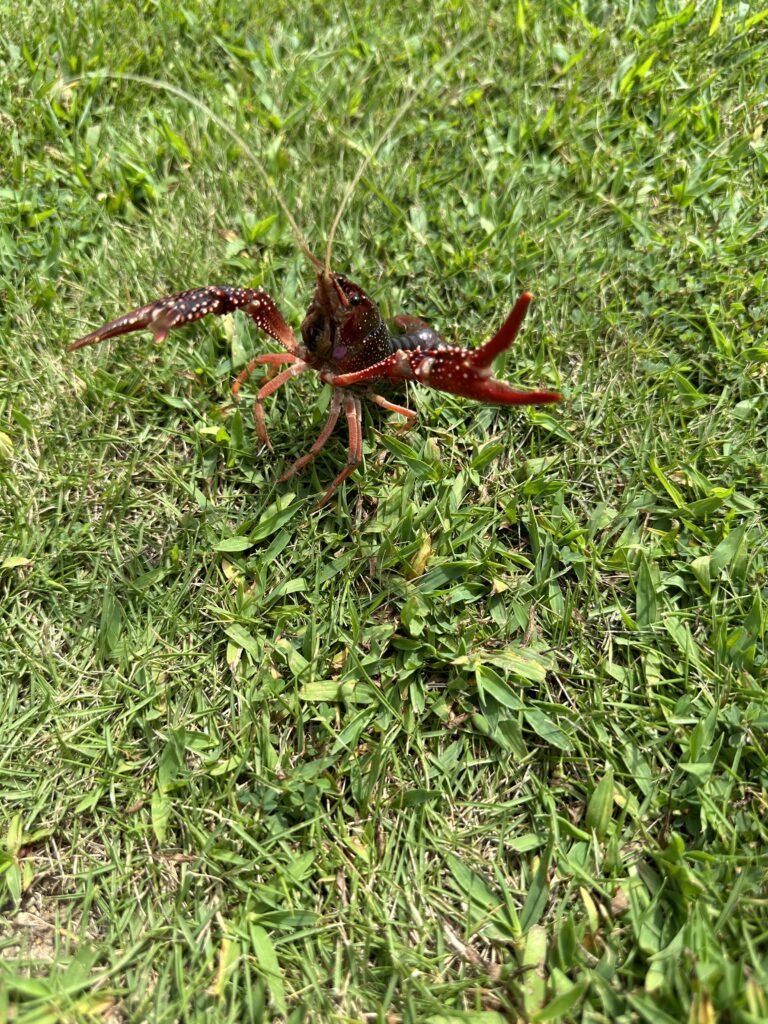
{"points": [[355, 300]]}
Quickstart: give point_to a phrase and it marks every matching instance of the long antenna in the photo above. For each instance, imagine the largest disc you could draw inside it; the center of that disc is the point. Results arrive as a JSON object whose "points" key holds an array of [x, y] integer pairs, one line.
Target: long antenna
{"points": [[175, 90], [399, 114], [158, 83]]}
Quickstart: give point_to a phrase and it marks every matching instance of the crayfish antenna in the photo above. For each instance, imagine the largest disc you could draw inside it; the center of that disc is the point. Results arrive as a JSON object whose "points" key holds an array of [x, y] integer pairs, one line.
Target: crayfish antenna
{"points": [[402, 110], [247, 150]]}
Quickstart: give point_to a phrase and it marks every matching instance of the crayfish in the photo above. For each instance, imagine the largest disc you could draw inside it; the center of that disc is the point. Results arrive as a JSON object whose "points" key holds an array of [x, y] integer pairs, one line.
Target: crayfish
{"points": [[343, 338]]}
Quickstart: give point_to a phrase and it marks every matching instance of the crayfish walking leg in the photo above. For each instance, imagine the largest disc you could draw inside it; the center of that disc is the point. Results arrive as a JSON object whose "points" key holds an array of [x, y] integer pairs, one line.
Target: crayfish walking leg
{"points": [[354, 413], [299, 366], [325, 433], [410, 415]]}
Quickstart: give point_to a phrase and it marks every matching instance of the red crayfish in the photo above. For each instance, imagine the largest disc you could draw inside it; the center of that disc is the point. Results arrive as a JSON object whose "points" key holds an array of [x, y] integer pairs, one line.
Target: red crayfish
{"points": [[344, 339]]}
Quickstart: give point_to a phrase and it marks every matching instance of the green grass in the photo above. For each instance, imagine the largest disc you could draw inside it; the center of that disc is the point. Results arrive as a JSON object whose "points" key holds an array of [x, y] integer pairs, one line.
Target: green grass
{"points": [[484, 739]]}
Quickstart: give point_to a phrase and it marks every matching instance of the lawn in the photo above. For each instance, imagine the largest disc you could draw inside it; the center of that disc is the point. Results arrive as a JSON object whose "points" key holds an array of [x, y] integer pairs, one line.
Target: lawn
{"points": [[482, 740]]}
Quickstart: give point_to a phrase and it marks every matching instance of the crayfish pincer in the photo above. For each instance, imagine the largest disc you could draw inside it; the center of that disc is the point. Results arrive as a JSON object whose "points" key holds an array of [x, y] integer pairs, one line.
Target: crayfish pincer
{"points": [[346, 341]]}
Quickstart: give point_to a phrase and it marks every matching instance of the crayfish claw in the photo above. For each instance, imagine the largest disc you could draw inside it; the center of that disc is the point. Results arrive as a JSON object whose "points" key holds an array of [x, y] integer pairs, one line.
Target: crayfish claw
{"points": [[186, 307], [460, 371]]}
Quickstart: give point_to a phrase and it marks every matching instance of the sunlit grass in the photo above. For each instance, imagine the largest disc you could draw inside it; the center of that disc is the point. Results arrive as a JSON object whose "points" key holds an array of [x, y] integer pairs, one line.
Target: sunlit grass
{"points": [[486, 736]]}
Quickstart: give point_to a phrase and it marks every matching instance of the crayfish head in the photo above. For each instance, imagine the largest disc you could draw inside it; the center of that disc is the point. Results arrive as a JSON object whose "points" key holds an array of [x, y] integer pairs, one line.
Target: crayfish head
{"points": [[343, 329]]}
